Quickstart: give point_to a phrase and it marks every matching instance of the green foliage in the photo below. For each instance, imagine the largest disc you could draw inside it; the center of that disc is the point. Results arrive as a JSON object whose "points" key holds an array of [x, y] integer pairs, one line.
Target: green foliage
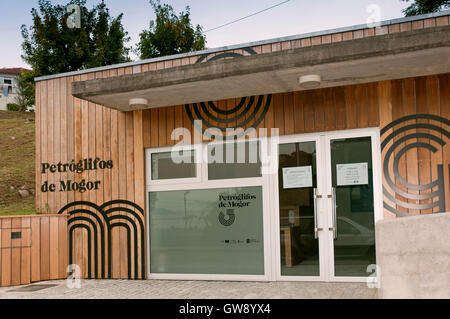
{"points": [[51, 47], [26, 89], [170, 34], [14, 107], [425, 6]]}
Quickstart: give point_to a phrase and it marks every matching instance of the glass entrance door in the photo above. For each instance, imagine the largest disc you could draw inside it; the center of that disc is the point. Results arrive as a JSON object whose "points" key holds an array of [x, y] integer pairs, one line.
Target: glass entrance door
{"points": [[350, 183], [300, 220], [326, 212]]}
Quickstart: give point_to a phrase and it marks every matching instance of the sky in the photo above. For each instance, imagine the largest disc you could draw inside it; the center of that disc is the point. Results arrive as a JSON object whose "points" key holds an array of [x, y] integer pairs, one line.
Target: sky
{"points": [[293, 17]]}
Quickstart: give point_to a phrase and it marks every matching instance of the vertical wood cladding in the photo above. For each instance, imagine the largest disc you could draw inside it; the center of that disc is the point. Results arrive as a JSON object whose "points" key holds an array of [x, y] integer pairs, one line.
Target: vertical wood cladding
{"points": [[32, 248], [70, 129]]}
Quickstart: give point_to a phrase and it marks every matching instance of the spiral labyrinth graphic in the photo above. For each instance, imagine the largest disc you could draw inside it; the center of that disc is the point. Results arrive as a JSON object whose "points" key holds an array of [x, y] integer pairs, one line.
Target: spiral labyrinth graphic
{"points": [[227, 221], [400, 136], [248, 112]]}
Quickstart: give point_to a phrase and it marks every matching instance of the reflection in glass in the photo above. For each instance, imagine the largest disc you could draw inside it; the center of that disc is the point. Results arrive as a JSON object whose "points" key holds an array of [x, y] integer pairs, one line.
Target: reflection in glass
{"points": [[209, 231], [164, 167], [354, 247], [299, 248], [234, 160]]}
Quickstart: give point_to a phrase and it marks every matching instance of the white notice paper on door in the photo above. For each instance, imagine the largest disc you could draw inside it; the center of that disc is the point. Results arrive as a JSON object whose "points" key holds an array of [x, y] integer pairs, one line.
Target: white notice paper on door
{"points": [[352, 174], [297, 177]]}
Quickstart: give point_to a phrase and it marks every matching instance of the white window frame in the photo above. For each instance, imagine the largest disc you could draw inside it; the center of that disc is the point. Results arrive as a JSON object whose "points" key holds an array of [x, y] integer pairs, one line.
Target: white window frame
{"points": [[202, 182], [154, 182]]}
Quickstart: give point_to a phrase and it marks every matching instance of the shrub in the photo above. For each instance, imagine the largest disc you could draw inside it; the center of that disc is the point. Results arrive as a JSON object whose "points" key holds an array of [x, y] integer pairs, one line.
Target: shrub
{"points": [[13, 107]]}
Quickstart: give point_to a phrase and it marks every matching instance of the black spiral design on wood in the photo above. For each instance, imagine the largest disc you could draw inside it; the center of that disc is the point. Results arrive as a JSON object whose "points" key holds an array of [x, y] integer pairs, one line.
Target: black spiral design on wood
{"points": [[99, 223], [437, 128]]}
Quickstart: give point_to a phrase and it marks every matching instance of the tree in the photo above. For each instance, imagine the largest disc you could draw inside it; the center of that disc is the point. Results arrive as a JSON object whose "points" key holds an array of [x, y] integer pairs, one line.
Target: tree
{"points": [[425, 6], [170, 34], [50, 46], [25, 90]]}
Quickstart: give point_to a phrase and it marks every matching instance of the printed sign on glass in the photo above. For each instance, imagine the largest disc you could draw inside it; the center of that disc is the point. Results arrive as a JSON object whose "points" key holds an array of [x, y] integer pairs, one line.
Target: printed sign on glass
{"points": [[297, 177], [352, 174]]}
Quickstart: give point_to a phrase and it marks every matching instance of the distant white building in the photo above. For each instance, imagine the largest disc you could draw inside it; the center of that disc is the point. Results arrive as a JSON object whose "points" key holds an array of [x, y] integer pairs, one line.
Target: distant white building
{"points": [[9, 78]]}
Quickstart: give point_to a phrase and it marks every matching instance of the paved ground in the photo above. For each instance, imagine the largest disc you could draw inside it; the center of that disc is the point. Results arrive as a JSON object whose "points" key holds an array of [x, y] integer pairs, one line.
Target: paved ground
{"points": [[161, 289]]}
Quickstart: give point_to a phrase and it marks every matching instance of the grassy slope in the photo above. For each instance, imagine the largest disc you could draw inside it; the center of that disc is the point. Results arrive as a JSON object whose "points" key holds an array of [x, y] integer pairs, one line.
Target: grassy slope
{"points": [[16, 162]]}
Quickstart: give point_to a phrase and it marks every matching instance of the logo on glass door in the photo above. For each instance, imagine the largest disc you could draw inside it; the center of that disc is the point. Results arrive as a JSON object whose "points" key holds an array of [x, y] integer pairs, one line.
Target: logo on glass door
{"points": [[229, 220], [414, 154]]}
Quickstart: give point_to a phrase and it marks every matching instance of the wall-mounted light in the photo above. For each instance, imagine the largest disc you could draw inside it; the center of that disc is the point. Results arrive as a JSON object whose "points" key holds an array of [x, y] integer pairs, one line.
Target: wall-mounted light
{"points": [[138, 102], [309, 81]]}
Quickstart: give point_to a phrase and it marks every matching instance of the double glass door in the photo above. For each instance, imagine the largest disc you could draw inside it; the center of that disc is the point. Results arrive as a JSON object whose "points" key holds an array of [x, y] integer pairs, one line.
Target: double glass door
{"points": [[326, 206]]}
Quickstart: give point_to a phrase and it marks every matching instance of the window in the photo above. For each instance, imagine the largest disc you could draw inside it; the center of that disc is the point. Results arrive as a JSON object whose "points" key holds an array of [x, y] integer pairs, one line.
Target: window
{"points": [[171, 165], [234, 160], [200, 223], [207, 231], [7, 81], [204, 162]]}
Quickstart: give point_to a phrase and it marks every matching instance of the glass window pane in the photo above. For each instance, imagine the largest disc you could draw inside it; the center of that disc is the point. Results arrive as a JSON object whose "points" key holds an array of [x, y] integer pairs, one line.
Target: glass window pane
{"points": [[234, 160], [299, 249], [164, 166], [354, 247], [210, 231]]}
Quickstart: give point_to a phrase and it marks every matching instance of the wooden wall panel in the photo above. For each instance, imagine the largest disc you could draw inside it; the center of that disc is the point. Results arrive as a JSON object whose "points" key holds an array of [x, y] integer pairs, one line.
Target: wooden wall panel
{"points": [[38, 178], [56, 138], [384, 91], [423, 155], [434, 107], [53, 230], [70, 133], [319, 110], [411, 156], [398, 112], [45, 248], [33, 256], [43, 177], [299, 120], [351, 108], [308, 112], [340, 106], [63, 134], [329, 109], [50, 123], [35, 249]]}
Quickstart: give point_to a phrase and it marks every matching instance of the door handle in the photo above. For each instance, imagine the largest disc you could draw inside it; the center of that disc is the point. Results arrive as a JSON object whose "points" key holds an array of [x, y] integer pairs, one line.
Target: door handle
{"points": [[333, 198], [316, 229]]}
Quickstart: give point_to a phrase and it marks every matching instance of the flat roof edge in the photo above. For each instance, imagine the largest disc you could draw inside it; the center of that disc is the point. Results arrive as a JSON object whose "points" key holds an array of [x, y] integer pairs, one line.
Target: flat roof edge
{"points": [[245, 45]]}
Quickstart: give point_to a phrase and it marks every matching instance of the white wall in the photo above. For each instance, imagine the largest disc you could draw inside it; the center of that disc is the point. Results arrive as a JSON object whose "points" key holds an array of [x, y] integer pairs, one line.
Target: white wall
{"points": [[11, 98]]}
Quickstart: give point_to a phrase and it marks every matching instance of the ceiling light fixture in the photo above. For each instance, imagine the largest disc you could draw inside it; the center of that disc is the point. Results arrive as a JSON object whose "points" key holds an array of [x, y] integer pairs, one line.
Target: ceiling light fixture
{"points": [[138, 102], [309, 81]]}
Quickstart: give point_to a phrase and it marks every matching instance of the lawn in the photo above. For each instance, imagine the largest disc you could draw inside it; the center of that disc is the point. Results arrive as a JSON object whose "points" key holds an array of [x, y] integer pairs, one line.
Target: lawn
{"points": [[17, 155]]}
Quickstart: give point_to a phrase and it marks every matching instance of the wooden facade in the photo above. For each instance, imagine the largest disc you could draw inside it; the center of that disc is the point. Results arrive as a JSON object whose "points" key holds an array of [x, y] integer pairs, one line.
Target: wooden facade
{"points": [[69, 129], [32, 248]]}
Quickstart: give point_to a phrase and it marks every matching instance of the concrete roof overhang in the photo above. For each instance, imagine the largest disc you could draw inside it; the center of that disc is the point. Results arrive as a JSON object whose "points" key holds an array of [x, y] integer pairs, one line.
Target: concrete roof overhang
{"points": [[383, 57]]}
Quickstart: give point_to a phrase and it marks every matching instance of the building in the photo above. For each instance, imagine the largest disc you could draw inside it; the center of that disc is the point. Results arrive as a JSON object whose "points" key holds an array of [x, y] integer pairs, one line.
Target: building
{"points": [[342, 128], [8, 84]]}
